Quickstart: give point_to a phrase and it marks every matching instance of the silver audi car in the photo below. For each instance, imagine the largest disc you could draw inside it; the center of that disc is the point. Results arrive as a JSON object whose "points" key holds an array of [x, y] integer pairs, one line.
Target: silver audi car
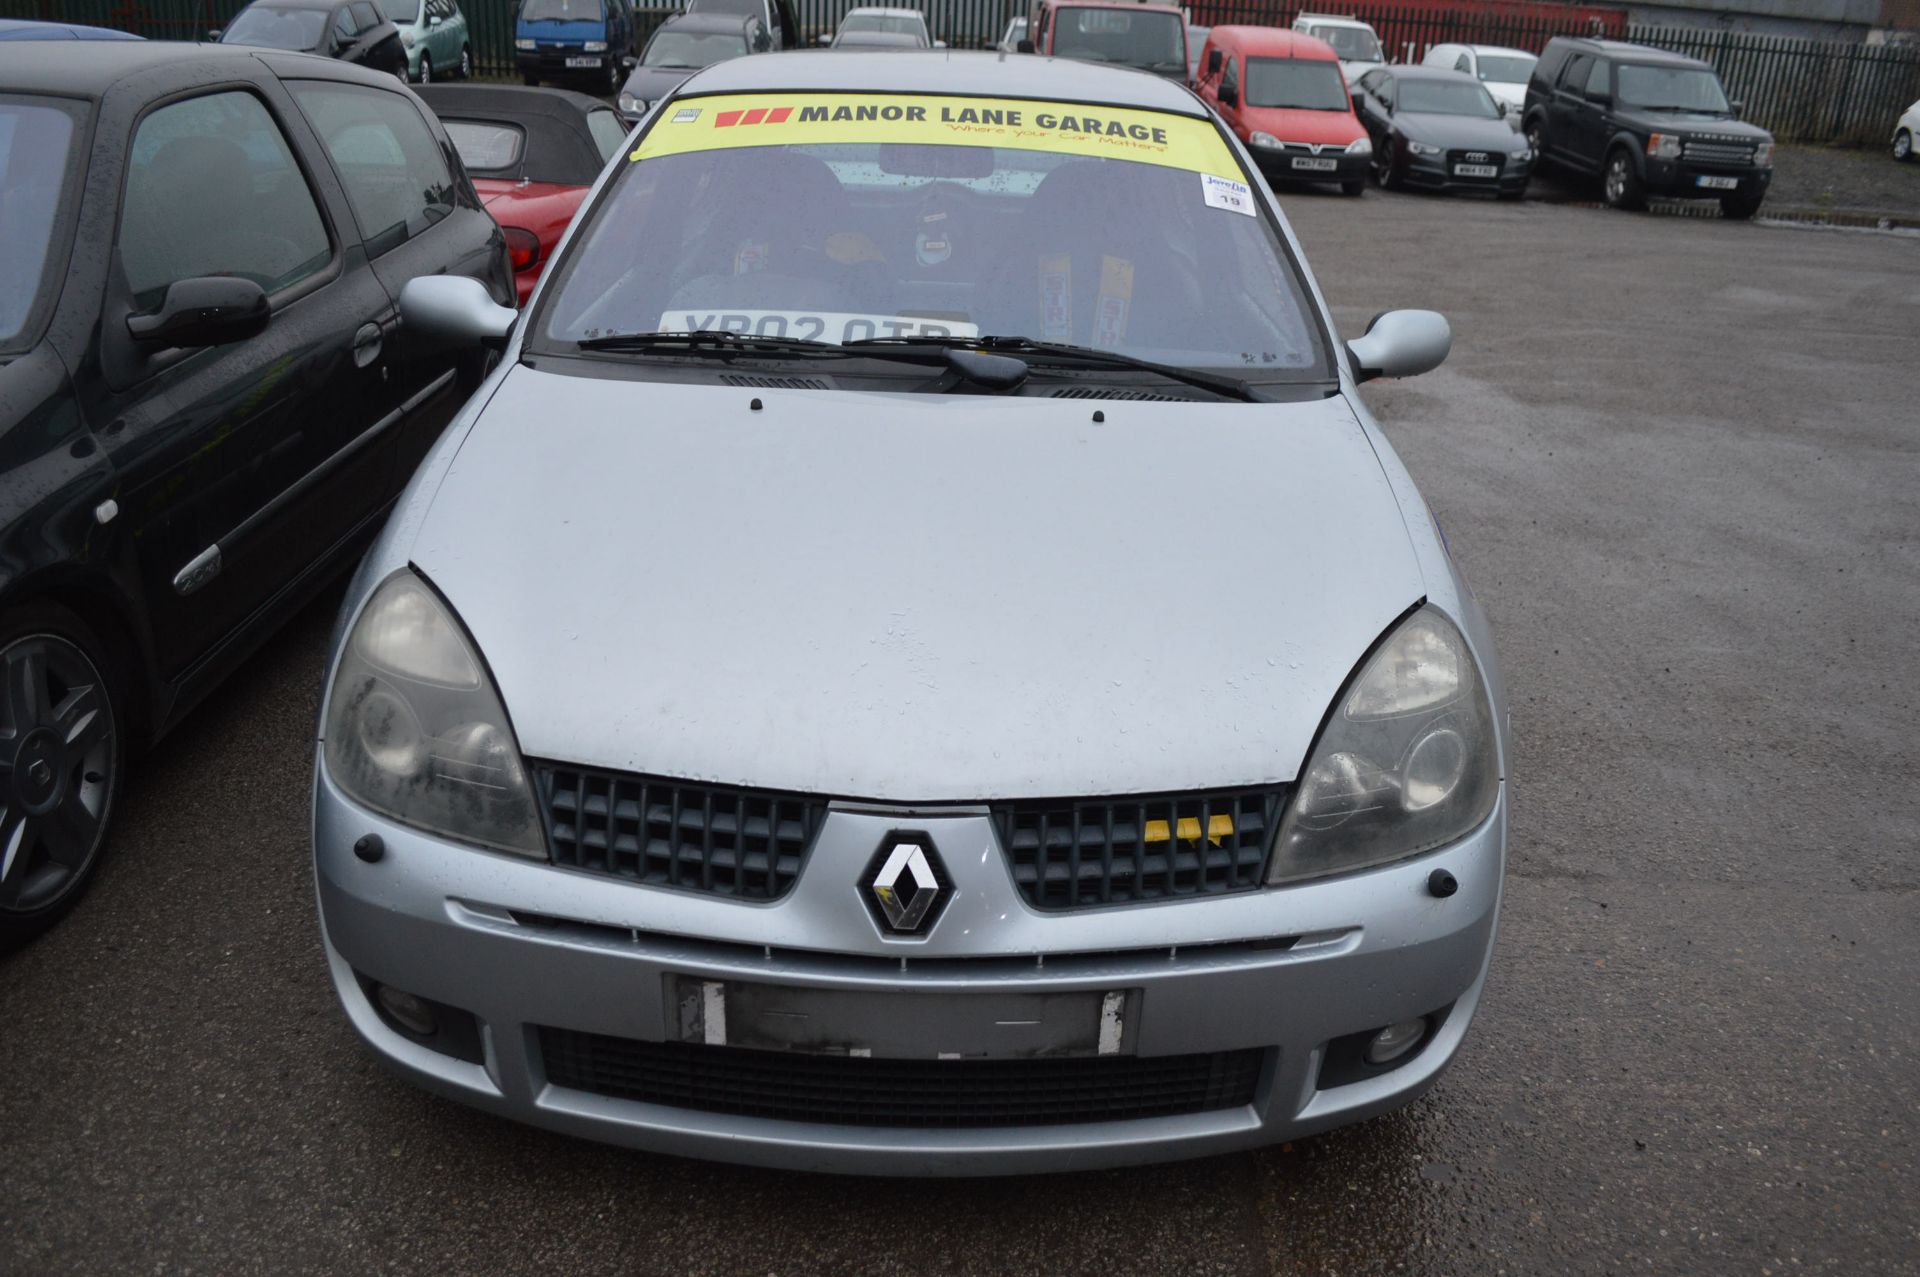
{"points": [[917, 661]]}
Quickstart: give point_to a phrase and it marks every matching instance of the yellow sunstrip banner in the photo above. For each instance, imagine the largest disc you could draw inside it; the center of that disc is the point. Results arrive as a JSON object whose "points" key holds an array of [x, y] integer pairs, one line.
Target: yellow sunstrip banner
{"points": [[778, 119]]}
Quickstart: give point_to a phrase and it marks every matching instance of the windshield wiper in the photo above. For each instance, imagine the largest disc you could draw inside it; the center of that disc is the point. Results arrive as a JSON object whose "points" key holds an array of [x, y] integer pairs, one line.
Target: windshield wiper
{"points": [[708, 342], [1081, 356]]}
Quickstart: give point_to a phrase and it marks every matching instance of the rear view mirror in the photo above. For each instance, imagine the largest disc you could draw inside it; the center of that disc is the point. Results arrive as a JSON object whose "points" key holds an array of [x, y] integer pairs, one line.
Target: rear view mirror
{"points": [[456, 310], [1025, 46], [1401, 343], [951, 163], [213, 310]]}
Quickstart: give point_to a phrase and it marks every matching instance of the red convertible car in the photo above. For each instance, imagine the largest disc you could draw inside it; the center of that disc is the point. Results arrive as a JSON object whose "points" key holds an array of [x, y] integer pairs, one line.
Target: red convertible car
{"points": [[532, 154]]}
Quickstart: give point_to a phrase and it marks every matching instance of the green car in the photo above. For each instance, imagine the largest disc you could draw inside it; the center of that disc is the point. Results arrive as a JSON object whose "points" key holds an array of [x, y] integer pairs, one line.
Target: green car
{"points": [[435, 33]]}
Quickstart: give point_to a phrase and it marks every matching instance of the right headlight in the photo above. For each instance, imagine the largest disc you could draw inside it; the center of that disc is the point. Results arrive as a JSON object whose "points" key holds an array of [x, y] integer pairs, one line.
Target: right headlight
{"points": [[1421, 148], [1265, 139], [631, 105], [1406, 763], [415, 729], [525, 45]]}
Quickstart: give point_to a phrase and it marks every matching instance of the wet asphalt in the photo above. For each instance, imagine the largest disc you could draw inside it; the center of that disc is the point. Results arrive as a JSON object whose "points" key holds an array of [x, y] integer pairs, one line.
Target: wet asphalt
{"points": [[1678, 460]]}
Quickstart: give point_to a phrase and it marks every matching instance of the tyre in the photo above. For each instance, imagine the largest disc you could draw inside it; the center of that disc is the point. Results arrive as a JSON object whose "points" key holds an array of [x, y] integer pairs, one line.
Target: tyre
{"points": [[1620, 182], [1903, 145], [1354, 188], [1739, 208], [466, 62], [63, 759], [611, 85], [1537, 141], [1383, 172], [426, 69]]}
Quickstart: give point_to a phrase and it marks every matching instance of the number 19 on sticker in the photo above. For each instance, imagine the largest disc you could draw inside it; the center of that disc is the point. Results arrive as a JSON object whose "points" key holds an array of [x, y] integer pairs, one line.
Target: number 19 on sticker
{"points": [[1224, 192]]}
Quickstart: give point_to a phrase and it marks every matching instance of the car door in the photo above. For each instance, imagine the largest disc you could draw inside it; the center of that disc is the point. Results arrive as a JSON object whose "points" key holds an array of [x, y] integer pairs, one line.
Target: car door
{"points": [[1595, 121], [236, 464], [1227, 92], [1566, 114], [444, 35], [1375, 102], [417, 215]]}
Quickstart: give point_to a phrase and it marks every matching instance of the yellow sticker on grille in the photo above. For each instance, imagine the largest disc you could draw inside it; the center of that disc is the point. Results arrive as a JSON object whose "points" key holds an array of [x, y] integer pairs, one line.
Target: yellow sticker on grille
{"points": [[733, 120], [1218, 828]]}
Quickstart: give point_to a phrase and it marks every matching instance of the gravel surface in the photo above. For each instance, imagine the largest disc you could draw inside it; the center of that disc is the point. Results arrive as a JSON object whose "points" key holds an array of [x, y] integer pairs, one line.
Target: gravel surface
{"points": [[1677, 459], [1836, 179]]}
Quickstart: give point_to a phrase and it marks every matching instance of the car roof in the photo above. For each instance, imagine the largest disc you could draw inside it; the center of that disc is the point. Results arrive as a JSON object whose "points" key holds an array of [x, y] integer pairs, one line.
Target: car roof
{"points": [[1332, 20], [1113, 4], [299, 4], [88, 68], [883, 10], [506, 99], [1274, 42], [948, 72], [1413, 72], [27, 29], [1499, 49], [1633, 52], [707, 20]]}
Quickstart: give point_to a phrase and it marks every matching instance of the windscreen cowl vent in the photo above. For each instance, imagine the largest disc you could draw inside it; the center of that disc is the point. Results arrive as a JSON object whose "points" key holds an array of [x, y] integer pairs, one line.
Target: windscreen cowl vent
{"points": [[1112, 392], [773, 383]]}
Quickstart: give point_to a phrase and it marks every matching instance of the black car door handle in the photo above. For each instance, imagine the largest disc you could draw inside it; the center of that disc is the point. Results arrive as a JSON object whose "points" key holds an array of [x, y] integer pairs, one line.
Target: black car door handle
{"points": [[366, 345]]}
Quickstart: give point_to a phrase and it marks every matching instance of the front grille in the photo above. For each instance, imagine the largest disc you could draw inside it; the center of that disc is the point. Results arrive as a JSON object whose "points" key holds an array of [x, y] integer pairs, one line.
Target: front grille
{"points": [[848, 1091], [1716, 153], [743, 843], [1082, 853], [1497, 159]]}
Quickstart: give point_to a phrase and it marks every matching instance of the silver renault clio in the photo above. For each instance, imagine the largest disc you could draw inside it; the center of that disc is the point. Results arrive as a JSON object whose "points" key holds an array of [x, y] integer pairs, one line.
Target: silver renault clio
{"points": [[918, 660]]}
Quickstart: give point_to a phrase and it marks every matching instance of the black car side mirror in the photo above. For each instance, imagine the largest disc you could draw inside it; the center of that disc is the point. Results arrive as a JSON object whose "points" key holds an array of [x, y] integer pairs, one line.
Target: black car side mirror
{"points": [[1024, 46], [1228, 95], [1214, 60], [212, 310], [1739, 109], [1600, 99]]}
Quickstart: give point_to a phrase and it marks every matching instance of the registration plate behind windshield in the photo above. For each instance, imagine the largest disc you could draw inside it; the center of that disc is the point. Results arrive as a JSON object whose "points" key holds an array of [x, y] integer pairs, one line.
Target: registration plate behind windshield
{"points": [[1474, 170], [1314, 166]]}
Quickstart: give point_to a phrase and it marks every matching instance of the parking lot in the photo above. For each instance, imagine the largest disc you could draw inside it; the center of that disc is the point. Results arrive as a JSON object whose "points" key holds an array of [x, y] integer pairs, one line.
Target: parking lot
{"points": [[1677, 459]]}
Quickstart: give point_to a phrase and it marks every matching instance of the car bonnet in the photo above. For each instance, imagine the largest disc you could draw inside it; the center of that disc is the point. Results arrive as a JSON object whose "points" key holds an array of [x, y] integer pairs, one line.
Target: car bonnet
{"points": [[916, 597]]}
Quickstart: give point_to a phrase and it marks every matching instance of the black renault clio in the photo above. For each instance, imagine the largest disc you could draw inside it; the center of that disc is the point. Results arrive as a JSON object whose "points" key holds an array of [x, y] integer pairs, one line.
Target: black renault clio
{"points": [[206, 399]]}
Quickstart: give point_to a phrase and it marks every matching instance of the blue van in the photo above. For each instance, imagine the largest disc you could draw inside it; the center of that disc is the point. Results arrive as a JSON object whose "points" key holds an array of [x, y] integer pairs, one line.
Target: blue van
{"points": [[588, 43]]}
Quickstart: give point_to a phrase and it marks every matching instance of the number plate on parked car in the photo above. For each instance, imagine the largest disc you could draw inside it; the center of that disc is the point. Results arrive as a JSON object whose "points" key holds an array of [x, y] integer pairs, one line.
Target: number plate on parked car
{"points": [[1314, 166], [1717, 183], [583, 62], [1474, 170]]}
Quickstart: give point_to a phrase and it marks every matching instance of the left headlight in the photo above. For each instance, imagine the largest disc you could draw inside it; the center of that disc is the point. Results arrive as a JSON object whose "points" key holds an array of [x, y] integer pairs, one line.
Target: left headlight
{"points": [[406, 38], [1421, 148], [525, 45], [415, 729], [1407, 761], [631, 105]]}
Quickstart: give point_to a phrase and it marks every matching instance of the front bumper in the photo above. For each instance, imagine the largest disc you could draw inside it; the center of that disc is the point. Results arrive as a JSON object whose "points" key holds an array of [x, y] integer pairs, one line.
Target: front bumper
{"points": [[523, 945], [1678, 179], [1282, 166], [1435, 173]]}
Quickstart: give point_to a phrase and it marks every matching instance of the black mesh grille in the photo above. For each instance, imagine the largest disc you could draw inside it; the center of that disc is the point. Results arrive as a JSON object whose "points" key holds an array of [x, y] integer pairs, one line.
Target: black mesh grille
{"points": [[1082, 853], [1114, 392], [846, 1091], [744, 843], [773, 383], [1731, 153]]}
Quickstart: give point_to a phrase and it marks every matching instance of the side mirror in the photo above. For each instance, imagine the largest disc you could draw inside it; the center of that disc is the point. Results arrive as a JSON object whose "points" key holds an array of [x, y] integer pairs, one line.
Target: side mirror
{"points": [[1398, 343], [1228, 95], [456, 310], [1739, 109], [1214, 59], [1024, 46], [434, 21], [212, 310], [939, 44], [214, 35]]}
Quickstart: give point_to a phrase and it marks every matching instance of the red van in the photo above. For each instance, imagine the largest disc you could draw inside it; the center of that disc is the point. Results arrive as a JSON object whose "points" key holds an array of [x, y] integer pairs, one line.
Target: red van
{"points": [[1148, 37], [1282, 93]]}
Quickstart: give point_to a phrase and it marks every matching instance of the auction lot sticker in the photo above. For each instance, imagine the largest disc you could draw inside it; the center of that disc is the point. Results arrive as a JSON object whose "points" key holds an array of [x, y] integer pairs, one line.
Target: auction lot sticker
{"points": [[812, 325], [778, 119]]}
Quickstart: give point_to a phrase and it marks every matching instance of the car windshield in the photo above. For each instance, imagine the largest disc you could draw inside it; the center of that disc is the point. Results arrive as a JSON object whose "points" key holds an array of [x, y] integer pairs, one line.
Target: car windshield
{"points": [[890, 23], [560, 11], [1296, 82], [35, 145], [1350, 44], [692, 48], [1149, 40], [840, 217], [296, 29], [1672, 89], [1446, 97], [404, 12], [1500, 69]]}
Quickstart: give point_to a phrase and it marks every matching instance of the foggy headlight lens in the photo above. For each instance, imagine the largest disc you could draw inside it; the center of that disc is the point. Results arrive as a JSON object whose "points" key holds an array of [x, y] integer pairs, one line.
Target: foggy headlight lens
{"points": [[415, 729], [1264, 139], [631, 105], [1360, 146], [1406, 763]]}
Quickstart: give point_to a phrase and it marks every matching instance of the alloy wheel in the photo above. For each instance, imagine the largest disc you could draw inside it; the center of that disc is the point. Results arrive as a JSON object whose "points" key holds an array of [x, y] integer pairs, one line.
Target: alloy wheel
{"points": [[426, 69], [1903, 145], [466, 63], [1616, 179], [57, 759]]}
